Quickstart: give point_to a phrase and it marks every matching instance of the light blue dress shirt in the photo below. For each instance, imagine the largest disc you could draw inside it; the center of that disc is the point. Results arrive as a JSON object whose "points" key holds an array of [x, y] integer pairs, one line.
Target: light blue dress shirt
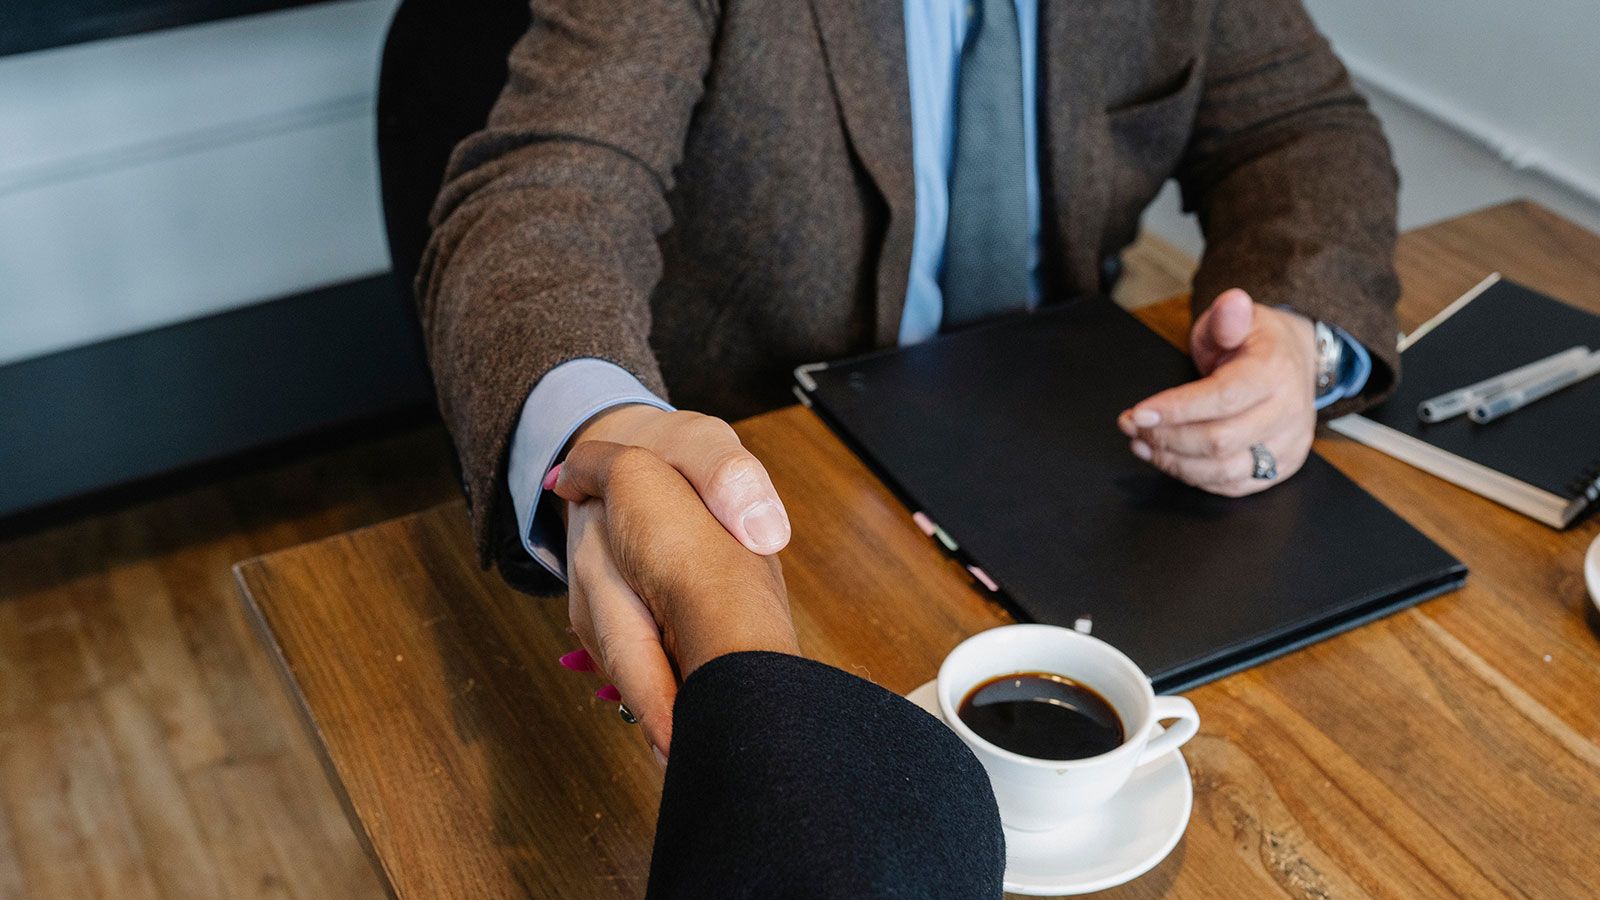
{"points": [[573, 392]]}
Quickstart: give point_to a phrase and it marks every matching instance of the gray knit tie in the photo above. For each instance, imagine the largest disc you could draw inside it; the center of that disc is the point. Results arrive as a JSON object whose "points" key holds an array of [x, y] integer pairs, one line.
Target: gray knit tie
{"points": [[986, 247]]}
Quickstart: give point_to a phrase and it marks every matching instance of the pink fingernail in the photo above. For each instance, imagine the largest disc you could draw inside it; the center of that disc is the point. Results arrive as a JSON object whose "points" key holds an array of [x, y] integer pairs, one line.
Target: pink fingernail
{"points": [[1146, 418], [609, 692], [552, 476], [578, 661], [1142, 450]]}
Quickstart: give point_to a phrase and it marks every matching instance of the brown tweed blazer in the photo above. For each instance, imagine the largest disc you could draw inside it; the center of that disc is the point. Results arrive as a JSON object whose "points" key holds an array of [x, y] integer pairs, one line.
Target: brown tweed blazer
{"points": [[711, 192]]}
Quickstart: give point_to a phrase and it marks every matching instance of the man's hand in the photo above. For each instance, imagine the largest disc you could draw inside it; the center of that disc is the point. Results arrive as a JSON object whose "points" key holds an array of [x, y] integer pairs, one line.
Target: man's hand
{"points": [[731, 482], [659, 588], [1259, 365]]}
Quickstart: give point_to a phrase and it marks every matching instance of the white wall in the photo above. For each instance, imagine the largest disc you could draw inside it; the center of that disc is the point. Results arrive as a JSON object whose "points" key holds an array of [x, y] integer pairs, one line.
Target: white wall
{"points": [[1484, 101], [151, 179], [1523, 76]]}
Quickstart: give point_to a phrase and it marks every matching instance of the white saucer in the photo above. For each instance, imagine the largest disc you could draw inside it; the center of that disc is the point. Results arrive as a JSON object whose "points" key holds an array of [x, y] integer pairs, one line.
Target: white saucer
{"points": [[1591, 574], [1115, 844]]}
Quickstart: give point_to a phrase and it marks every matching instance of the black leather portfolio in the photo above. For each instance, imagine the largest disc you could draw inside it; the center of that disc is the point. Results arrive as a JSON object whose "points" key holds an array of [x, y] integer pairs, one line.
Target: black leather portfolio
{"points": [[1004, 437]]}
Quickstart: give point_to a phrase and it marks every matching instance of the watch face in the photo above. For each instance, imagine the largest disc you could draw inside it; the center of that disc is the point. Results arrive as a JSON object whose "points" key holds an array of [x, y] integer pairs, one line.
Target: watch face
{"points": [[1330, 353]]}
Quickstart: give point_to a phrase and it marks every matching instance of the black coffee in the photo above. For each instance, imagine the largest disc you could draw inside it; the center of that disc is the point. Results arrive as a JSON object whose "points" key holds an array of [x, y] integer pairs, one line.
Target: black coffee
{"points": [[1042, 715]]}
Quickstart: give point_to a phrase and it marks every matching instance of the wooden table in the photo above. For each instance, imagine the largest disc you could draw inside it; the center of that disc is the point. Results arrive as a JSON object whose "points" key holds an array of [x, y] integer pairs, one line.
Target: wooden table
{"points": [[1449, 750]]}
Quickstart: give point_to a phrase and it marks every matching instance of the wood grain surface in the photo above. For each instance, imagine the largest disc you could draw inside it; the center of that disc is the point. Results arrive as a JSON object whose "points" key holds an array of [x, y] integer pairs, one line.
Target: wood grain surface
{"points": [[1450, 750], [146, 749]]}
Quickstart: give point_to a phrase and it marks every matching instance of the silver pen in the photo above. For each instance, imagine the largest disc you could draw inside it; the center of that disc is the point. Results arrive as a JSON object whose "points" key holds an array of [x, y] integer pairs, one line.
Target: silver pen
{"points": [[1456, 402], [1515, 398]]}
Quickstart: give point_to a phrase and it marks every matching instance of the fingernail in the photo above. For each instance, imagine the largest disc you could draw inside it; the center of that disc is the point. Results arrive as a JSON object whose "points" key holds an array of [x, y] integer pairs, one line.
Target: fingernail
{"points": [[609, 692], [766, 525], [1146, 418], [552, 476], [1125, 424], [578, 661], [1142, 450], [661, 758]]}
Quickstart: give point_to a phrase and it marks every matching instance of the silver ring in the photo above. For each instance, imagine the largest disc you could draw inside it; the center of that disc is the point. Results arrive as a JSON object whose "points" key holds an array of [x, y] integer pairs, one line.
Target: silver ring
{"points": [[626, 714], [1265, 465]]}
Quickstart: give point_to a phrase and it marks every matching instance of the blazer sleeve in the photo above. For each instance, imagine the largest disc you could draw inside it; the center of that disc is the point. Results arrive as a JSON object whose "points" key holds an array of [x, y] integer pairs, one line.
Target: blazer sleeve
{"points": [[544, 246], [1292, 181], [789, 778]]}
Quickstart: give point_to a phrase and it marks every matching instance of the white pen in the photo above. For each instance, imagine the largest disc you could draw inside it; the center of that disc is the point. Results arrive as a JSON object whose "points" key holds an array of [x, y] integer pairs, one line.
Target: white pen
{"points": [[1456, 402], [1510, 401]]}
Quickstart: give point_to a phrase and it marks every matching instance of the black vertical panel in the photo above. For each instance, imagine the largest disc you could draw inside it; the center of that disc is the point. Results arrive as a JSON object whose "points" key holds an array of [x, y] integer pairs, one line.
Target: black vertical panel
{"points": [[444, 63]]}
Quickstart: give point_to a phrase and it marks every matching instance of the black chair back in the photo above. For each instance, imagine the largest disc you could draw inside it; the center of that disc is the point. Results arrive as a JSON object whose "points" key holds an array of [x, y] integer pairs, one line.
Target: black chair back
{"points": [[444, 63]]}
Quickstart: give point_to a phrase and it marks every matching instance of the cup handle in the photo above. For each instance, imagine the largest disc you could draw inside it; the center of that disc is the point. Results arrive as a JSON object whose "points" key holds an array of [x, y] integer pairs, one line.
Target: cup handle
{"points": [[1185, 725]]}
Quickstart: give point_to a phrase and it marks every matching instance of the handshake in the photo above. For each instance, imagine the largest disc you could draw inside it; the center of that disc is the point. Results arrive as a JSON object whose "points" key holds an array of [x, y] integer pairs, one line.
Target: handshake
{"points": [[658, 585], [672, 525]]}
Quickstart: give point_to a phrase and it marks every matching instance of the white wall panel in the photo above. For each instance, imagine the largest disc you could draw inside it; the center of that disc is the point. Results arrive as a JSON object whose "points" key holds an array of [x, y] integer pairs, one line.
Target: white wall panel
{"points": [[150, 179], [129, 249]]}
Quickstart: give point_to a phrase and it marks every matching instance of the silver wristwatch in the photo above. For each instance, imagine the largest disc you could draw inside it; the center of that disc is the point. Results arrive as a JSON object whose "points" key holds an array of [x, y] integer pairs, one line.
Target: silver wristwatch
{"points": [[1330, 358]]}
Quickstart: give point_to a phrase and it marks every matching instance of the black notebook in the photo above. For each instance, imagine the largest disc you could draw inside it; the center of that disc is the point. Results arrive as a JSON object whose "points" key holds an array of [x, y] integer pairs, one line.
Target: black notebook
{"points": [[1004, 436], [1542, 460]]}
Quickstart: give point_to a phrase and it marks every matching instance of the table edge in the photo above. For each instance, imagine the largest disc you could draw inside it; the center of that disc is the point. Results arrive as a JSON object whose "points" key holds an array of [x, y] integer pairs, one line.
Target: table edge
{"points": [[243, 573]]}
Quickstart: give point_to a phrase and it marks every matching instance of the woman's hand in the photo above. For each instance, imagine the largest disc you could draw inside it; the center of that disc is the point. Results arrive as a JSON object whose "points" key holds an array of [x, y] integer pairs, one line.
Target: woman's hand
{"points": [[1259, 386], [672, 589]]}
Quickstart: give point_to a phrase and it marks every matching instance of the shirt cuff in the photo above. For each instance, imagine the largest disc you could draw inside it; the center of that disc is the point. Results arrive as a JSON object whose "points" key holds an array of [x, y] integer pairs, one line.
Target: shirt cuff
{"points": [[1354, 370], [560, 403]]}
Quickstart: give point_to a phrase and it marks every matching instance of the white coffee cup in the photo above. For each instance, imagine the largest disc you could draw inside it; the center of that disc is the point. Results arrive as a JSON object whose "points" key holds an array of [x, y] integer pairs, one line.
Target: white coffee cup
{"points": [[1040, 794]]}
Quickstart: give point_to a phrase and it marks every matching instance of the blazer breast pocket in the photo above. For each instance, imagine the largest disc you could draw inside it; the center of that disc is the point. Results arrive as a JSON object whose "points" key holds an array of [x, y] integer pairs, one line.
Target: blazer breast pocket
{"points": [[1150, 133]]}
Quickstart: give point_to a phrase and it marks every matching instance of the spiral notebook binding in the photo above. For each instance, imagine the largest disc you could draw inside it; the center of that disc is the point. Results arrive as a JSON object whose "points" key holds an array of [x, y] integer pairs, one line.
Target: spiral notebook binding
{"points": [[1585, 489]]}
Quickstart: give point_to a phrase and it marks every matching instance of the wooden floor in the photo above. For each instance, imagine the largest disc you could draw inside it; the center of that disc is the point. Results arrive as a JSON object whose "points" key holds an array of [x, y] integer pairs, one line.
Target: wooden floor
{"points": [[146, 747]]}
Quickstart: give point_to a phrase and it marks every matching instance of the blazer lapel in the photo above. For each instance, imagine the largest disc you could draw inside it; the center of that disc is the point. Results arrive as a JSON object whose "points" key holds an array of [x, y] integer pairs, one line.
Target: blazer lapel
{"points": [[1074, 149], [864, 42]]}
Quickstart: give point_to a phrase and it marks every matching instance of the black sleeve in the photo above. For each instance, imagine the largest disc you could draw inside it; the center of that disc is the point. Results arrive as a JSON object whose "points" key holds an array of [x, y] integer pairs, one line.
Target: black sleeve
{"points": [[789, 778]]}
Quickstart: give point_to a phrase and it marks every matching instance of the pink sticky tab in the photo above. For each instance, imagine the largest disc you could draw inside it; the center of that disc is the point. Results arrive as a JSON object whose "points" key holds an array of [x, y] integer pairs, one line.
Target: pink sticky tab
{"points": [[923, 522], [983, 578]]}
